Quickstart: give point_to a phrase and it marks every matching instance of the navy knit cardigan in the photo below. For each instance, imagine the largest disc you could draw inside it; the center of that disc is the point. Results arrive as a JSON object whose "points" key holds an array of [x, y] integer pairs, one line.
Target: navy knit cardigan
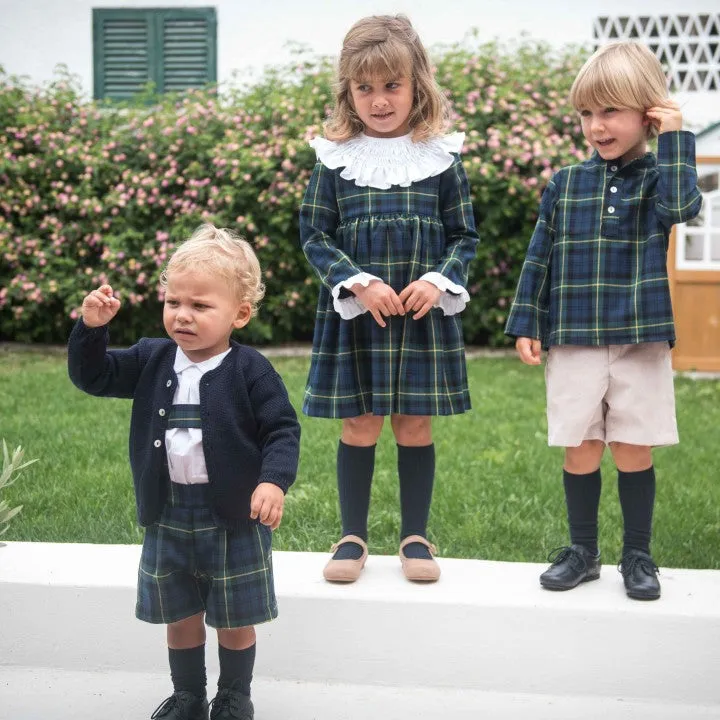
{"points": [[250, 430]]}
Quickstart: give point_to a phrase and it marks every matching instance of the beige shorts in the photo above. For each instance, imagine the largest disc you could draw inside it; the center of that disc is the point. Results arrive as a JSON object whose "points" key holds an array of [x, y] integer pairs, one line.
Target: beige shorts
{"points": [[613, 393]]}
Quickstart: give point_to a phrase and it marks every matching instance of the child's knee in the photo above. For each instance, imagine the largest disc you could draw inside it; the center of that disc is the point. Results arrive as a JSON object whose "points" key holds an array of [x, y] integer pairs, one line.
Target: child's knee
{"points": [[585, 458], [631, 458], [363, 430], [237, 638], [412, 430], [186, 633]]}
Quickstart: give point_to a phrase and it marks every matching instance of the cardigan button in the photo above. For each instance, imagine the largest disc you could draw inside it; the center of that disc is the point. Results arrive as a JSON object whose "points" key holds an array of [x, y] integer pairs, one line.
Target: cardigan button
{"points": [[157, 443], [168, 383], [611, 209], [613, 189], [161, 412], [613, 168]]}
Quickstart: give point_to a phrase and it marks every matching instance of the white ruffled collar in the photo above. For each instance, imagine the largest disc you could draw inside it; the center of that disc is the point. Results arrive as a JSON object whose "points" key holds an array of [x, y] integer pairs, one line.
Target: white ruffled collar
{"points": [[384, 162]]}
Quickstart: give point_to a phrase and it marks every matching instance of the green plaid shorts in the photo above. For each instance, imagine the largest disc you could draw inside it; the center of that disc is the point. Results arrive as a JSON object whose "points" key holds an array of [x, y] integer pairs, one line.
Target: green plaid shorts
{"points": [[189, 565]]}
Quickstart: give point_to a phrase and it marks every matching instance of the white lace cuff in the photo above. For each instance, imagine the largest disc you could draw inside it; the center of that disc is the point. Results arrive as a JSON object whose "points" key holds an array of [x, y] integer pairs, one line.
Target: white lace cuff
{"points": [[383, 162], [351, 307], [449, 304]]}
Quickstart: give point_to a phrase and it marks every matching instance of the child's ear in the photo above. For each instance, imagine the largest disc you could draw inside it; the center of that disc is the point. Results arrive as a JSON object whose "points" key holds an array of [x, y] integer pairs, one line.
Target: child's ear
{"points": [[243, 316]]}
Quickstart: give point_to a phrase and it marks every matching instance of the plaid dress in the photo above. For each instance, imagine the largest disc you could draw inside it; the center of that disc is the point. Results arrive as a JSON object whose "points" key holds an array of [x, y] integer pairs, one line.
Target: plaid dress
{"points": [[397, 234]]}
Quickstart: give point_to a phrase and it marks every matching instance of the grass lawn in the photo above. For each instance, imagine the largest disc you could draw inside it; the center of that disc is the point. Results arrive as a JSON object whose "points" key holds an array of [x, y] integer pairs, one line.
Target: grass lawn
{"points": [[498, 492]]}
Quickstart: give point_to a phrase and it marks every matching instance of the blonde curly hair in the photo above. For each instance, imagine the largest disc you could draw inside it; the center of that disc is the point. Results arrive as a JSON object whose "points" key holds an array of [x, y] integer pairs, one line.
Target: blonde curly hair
{"points": [[220, 252], [387, 46]]}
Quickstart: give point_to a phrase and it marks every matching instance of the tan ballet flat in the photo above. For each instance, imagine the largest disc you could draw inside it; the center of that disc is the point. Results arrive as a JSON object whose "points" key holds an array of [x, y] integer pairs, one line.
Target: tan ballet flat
{"points": [[346, 571], [418, 569]]}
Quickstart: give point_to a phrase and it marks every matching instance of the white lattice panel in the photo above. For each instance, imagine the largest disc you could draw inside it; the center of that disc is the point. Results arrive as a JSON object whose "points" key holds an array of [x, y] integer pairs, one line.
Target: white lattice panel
{"points": [[688, 46]]}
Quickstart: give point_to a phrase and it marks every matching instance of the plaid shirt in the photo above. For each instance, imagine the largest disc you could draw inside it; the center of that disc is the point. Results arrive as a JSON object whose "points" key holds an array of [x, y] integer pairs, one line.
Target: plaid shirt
{"points": [[595, 272]]}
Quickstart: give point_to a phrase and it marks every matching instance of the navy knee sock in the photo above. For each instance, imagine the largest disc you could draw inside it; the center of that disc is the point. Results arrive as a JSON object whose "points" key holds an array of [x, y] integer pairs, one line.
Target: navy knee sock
{"points": [[637, 500], [187, 670], [416, 470], [582, 495], [236, 668], [355, 467]]}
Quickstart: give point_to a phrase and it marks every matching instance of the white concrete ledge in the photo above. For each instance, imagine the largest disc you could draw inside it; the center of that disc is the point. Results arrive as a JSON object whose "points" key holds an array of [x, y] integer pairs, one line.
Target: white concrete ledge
{"points": [[486, 626], [33, 693]]}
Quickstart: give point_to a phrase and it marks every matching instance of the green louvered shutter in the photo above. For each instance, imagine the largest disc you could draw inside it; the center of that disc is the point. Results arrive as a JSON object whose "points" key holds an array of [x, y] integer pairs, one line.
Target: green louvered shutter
{"points": [[122, 50], [174, 48], [188, 50]]}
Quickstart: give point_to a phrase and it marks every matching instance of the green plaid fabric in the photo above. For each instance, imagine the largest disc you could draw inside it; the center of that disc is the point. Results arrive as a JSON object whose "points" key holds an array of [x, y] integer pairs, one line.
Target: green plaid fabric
{"points": [[409, 367], [184, 416], [595, 272], [189, 565]]}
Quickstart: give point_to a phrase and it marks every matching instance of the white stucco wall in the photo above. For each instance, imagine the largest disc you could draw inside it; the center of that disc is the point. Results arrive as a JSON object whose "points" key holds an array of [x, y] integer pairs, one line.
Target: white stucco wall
{"points": [[36, 35]]}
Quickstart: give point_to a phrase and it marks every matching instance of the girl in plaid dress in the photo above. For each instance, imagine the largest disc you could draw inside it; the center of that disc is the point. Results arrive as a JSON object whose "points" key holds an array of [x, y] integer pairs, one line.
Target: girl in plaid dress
{"points": [[214, 445], [388, 226]]}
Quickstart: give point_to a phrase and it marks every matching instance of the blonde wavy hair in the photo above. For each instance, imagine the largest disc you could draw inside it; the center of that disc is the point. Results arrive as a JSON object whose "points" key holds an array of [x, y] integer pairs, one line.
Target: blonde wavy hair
{"points": [[387, 46], [622, 75], [223, 253]]}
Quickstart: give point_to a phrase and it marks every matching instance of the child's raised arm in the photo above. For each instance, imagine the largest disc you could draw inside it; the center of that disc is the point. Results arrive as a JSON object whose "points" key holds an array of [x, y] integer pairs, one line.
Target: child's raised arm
{"points": [[666, 118], [100, 307]]}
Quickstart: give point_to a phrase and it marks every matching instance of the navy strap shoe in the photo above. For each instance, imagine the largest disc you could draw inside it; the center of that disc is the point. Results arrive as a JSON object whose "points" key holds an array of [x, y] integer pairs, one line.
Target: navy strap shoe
{"points": [[570, 566], [640, 575]]}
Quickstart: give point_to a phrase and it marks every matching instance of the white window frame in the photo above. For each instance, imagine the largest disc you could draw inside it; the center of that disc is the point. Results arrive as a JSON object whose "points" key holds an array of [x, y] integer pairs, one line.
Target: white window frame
{"points": [[706, 230]]}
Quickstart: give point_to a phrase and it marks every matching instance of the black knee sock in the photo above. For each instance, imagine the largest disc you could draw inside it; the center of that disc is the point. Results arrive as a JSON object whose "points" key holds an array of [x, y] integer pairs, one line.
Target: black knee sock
{"points": [[236, 668], [355, 467], [582, 495], [187, 669], [637, 499], [416, 470]]}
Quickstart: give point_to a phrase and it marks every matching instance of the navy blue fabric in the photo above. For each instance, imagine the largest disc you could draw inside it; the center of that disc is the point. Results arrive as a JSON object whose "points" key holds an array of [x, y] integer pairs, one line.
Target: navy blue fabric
{"points": [[596, 268], [189, 565], [250, 429], [409, 367]]}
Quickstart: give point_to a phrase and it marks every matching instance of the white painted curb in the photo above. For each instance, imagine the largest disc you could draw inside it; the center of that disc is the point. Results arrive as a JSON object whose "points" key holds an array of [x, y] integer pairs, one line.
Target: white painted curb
{"points": [[485, 626]]}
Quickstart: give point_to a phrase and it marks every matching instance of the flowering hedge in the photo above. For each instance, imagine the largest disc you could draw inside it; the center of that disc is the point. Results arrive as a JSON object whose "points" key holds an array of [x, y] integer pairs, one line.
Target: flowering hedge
{"points": [[92, 194]]}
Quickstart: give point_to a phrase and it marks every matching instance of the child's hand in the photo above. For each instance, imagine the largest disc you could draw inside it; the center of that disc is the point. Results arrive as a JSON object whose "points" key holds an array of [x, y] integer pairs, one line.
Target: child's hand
{"points": [[99, 307], [267, 504], [666, 117], [380, 299], [529, 350], [419, 297]]}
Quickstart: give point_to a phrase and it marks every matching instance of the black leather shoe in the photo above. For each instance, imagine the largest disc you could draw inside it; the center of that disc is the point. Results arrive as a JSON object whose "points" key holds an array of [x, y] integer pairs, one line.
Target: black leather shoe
{"points": [[231, 705], [640, 575], [570, 566], [182, 705]]}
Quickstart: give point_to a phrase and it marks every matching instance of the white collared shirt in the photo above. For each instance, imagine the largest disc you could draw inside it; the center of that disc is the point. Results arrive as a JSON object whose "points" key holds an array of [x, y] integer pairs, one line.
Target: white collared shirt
{"points": [[186, 459]]}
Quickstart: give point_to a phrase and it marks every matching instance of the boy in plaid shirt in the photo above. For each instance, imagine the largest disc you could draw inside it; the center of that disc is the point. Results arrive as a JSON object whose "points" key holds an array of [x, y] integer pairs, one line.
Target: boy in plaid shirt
{"points": [[594, 291], [214, 445]]}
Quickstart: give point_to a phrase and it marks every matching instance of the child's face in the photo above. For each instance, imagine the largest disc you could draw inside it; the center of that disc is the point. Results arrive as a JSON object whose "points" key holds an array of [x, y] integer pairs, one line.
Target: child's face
{"points": [[617, 134], [200, 313], [383, 105]]}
